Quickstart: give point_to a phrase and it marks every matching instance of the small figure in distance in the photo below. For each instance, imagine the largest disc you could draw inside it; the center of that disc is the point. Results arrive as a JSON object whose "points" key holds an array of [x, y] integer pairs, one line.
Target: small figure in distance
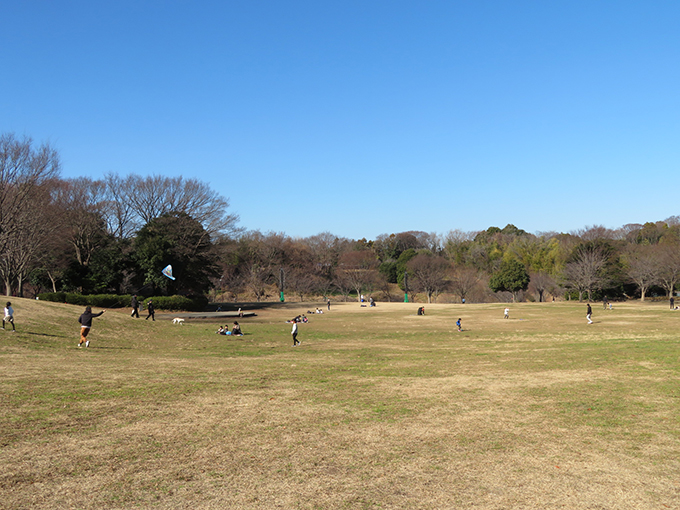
{"points": [[135, 306], [294, 332], [459, 324], [151, 310], [328, 303], [589, 313], [236, 330], [371, 302], [506, 313], [605, 302], [9, 316]]}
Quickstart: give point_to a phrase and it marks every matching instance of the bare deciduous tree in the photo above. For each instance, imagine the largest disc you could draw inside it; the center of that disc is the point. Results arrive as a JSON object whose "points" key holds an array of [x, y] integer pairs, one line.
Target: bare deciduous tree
{"points": [[430, 274], [81, 201], [301, 282], [585, 273], [541, 281], [463, 281], [23, 170], [152, 196], [358, 269], [642, 267], [669, 266]]}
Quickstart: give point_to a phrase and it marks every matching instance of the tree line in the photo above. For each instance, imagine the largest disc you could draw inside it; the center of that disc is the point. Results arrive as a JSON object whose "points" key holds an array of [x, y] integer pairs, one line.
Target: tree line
{"points": [[115, 235]]}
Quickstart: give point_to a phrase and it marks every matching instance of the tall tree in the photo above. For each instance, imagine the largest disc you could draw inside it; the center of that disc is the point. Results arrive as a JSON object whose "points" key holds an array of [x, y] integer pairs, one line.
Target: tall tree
{"points": [[463, 281], [23, 170], [430, 273], [153, 196], [359, 270], [586, 272], [511, 277], [642, 267], [179, 240], [669, 266]]}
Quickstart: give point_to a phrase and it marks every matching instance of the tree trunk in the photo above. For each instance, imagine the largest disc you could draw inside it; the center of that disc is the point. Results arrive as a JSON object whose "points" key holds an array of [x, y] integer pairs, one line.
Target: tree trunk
{"points": [[54, 283]]}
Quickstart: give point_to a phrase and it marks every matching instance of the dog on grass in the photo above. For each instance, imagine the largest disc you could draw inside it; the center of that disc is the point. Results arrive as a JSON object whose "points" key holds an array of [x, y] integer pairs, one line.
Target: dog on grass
{"points": [[178, 320]]}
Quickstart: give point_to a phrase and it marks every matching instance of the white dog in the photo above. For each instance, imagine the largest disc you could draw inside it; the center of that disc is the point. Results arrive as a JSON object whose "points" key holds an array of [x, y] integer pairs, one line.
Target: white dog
{"points": [[178, 320]]}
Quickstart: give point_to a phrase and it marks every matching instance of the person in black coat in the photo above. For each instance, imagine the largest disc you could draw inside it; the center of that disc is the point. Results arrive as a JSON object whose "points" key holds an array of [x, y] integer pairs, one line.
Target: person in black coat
{"points": [[150, 309], [135, 307]]}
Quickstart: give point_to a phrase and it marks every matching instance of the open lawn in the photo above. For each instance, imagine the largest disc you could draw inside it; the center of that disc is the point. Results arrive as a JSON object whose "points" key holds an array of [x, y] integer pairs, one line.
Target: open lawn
{"points": [[378, 408]]}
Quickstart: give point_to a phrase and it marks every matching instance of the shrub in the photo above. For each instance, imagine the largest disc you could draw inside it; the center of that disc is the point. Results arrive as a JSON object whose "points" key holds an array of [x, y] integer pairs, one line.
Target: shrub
{"points": [[194, 304], [98, 300]]}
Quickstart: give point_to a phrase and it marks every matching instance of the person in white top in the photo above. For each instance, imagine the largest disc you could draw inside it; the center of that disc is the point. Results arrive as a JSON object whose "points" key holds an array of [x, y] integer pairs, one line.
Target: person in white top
{"points": [[9, 316], [507, 313], [294, 333]]}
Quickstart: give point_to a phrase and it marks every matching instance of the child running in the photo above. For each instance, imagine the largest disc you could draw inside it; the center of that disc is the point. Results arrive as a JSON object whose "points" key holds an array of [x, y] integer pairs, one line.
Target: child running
{"points": [[86, 324], [460, 325], [9, 316]]}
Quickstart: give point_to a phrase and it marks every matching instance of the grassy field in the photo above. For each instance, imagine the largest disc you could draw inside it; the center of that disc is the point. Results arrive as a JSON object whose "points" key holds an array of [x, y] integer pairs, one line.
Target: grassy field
{"points": [[378, 408]]}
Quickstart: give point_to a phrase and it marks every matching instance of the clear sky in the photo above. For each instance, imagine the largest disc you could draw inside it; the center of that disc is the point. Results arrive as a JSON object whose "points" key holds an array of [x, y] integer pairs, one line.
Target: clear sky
{"points": [[363, 117]]}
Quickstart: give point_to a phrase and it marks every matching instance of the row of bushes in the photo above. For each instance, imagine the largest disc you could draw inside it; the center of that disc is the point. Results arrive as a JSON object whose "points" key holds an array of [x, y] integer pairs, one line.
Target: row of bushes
{"points": [[195, 304]]}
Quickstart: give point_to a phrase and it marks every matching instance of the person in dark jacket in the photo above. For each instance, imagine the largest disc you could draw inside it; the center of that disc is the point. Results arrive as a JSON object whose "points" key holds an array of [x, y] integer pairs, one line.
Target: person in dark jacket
{"points": [[589, 314], [150, 309], [86, 324], [135, 307]]}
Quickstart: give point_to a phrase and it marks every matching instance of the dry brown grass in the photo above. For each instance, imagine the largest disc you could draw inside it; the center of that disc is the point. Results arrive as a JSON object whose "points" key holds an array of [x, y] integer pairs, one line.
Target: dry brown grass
{"points": [[378, 408]]}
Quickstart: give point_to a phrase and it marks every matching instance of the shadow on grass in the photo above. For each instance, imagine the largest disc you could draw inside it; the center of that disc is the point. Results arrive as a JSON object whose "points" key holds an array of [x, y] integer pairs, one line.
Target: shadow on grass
{"points": [[44, 334], [102, 347]]}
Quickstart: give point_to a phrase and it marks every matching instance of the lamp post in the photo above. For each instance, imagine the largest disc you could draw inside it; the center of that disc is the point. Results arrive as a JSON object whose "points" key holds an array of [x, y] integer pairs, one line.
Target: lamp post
{"points": [[282, 280], [405, 286]]}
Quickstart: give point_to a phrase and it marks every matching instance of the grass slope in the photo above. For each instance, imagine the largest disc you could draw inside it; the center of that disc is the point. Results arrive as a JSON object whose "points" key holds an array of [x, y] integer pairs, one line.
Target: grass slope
{"points": [[378, 408]]}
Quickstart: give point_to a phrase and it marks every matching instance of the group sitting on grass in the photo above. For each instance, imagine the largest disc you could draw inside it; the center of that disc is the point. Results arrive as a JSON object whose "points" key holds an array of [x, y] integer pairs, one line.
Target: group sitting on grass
{"points": [[235, 330], [298, 318]]}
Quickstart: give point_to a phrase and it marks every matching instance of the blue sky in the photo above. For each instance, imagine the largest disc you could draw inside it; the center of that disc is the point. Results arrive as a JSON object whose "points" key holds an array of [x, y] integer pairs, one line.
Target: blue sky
{"points": [[363, 117]]}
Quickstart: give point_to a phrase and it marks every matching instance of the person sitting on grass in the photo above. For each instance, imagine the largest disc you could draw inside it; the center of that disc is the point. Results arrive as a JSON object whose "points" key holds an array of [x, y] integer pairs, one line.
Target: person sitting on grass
{"points": [[236, 330]]}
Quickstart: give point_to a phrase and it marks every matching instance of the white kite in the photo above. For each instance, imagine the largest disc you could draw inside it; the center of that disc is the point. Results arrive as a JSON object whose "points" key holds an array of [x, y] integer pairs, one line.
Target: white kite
{"points": [[168, 272]]}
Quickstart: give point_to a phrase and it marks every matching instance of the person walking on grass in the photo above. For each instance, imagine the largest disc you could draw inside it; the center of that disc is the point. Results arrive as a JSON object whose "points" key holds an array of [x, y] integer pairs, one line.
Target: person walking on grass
{"points": [[86, 324], [459, 324], [506, 314], [9, 316], [329, 304], [589, 314], [294, 332], [134, 303], [151, 310]]}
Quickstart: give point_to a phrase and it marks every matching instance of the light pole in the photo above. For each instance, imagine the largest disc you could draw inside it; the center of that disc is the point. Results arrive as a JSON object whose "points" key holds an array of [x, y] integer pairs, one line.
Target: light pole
{"points": [[282, 280], [405, 286]]}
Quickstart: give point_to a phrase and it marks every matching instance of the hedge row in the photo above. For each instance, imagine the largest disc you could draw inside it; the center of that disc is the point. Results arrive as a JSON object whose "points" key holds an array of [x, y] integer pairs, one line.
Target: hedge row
{"points": [[195, 304]]}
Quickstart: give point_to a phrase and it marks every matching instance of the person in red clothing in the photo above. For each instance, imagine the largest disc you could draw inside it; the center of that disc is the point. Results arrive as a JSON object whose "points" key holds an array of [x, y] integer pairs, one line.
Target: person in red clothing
{"points": [[86, 324]]}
